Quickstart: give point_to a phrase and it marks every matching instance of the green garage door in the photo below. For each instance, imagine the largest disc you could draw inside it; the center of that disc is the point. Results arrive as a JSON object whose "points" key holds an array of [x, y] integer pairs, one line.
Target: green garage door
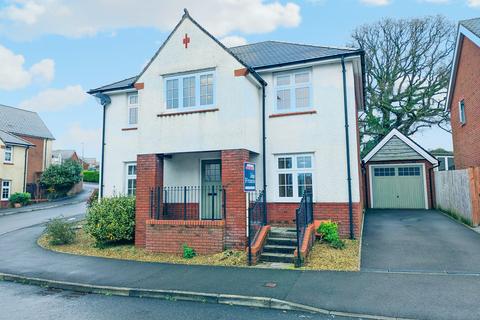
{"points": [[399, 187]]}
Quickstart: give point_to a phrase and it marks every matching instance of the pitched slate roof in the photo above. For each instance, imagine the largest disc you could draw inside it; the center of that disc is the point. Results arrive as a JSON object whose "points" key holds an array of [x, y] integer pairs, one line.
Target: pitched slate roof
{"points": [[272, 53], [473, 25], [9, 138], [24, 122], [260, 55]]}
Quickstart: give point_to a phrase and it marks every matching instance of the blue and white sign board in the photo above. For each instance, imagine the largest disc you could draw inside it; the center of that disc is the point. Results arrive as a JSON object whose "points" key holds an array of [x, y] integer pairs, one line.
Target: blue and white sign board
{"points": [[249, 177]]}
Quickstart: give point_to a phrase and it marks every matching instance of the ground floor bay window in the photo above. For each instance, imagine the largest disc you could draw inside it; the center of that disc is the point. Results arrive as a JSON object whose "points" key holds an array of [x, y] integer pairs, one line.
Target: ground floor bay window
{"points": [[294, 176]]}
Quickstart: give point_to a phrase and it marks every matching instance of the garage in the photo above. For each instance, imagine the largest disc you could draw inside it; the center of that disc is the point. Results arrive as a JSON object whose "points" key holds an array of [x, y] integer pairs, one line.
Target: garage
{"points": [[398, 174]]}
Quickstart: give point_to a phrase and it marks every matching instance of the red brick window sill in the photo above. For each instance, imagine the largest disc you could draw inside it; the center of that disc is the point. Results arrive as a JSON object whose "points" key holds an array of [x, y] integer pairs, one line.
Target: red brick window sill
{"points": [[171, 114], [287, 114]]}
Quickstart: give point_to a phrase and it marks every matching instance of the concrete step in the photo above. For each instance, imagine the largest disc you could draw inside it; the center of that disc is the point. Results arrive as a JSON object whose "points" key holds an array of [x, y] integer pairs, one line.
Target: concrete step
{"points": [[277, 257], [278, 248], [290, 235], [281, 241]]}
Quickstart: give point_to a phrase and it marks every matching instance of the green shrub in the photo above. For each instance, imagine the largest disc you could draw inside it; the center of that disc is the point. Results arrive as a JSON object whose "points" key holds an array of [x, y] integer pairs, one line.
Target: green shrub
{"points": [[188, 252], [338, 244], [111, 220], [60, 232], [93, 198], [91, 176], [329, 231], [59, 179], [20, 197]]}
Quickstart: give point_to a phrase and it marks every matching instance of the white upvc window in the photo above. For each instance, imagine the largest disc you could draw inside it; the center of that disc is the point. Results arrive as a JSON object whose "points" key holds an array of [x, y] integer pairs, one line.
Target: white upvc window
{"points": [[8, 157], [131, 179], [461, 112], [293, 91], [189, 91], [5, 189], [294, 175], [132, 104]]}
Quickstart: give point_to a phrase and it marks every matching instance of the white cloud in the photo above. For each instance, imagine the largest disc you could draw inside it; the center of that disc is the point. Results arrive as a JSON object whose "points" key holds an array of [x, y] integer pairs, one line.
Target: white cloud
{"points": [[76, 135], [26, 19], [436, 1], [233, 41], [473, 3], [376, 2], [56, 99], [14, 75]]}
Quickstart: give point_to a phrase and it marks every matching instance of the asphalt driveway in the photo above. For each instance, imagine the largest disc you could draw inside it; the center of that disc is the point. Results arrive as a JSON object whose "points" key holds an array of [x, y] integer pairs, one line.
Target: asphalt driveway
{"points": [[418, 241]]}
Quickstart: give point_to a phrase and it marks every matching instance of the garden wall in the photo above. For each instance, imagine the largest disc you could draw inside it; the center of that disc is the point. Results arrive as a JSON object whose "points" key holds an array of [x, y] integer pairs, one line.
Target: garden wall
{"points": [[457, 193], [168, 236]]}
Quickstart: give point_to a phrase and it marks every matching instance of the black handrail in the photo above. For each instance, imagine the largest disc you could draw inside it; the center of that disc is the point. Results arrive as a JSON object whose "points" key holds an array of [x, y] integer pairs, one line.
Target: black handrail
{"points": [[188, 203], [303, 217], [257, 218]]}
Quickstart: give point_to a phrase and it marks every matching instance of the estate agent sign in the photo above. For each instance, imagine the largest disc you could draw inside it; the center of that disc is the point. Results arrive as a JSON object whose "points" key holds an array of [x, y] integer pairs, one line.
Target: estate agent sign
{"points": [[248, 176]]}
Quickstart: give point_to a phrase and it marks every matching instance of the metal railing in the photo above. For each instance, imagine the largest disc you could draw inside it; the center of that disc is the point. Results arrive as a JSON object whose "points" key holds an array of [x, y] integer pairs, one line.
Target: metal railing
{"points": [[303, 217], [257, 218], [188, 203]]}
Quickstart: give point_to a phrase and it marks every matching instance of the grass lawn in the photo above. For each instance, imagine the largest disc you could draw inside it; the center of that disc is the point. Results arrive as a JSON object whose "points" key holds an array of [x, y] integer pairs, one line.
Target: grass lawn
{"points": [[322, 256]]}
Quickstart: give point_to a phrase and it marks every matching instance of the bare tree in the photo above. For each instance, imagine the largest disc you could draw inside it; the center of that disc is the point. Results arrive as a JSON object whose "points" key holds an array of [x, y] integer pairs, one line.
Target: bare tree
{"points": [[407, 71]]}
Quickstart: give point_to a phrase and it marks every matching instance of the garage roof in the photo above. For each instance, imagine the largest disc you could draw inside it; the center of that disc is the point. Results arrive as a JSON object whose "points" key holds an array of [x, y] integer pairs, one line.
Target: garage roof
{"points": [[397, 146]]}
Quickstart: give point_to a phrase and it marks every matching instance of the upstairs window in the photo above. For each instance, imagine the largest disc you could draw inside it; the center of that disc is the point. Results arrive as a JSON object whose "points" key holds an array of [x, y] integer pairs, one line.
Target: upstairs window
{"points": [[461, 111], [192, 90], [8, 154], [132, 108], [293, 91]]}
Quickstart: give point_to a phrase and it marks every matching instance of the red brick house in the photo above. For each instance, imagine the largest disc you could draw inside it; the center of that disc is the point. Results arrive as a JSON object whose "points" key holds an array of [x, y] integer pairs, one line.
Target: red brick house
{"points": [[464, 95]]}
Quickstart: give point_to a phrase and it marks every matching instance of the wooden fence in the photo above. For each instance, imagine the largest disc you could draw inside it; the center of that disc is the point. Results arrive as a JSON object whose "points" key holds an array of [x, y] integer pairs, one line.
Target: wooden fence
{"points": [[457, 192]]}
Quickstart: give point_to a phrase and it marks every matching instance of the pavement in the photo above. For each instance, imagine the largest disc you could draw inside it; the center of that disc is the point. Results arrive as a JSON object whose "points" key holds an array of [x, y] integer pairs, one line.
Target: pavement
{"points": [[78, 198], [418, 241], [33, 302], [412, 295]]}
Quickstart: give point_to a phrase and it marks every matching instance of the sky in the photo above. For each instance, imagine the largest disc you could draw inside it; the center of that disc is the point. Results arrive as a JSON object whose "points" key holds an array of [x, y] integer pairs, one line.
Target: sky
{"points": [[53, 51]]}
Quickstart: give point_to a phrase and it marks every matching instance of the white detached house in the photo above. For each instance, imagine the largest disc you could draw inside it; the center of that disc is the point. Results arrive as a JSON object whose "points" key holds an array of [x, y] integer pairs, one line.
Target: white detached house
{"points": [[178, 134]]}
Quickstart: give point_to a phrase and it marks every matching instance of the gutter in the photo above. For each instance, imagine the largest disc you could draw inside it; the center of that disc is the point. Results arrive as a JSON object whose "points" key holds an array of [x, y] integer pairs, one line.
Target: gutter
{"points": [[347, 143], [104, 101], [264, 155]]}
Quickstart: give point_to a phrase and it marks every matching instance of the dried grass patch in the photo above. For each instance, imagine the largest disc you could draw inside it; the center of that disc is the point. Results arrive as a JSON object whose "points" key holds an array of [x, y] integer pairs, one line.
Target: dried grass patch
{"points": [[84, 245], [324, 257]]}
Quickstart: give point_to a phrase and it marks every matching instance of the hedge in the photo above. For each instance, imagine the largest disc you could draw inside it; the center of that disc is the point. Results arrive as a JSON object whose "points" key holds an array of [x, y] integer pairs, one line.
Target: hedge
{"points": [[91, 176]]}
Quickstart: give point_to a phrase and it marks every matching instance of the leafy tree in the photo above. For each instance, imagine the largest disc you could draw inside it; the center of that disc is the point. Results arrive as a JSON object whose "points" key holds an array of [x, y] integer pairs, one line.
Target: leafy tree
{"points": [[407, 64], [59, 179]]}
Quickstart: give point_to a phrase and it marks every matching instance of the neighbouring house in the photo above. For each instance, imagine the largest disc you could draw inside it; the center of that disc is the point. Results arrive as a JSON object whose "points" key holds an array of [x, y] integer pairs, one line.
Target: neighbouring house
{"points": [[90, 164], [13, 166], [445, 159], [398, 174], [28, 126], [179, 134], [60, 156], [463, 98]]}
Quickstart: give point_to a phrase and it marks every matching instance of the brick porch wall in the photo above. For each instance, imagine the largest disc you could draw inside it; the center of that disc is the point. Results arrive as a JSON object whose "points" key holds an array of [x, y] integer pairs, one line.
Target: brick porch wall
{"points": [[232, 180], [284, 214], [149, 175], [168, 236]]}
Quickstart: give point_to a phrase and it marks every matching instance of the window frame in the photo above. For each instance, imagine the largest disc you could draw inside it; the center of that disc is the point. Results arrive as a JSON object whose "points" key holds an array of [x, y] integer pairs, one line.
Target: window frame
{"points": [[10, 151], [295, 171], [461, 112], [131, 106], [129, 177], [292, 86], [197, 97], [9, 188]]}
